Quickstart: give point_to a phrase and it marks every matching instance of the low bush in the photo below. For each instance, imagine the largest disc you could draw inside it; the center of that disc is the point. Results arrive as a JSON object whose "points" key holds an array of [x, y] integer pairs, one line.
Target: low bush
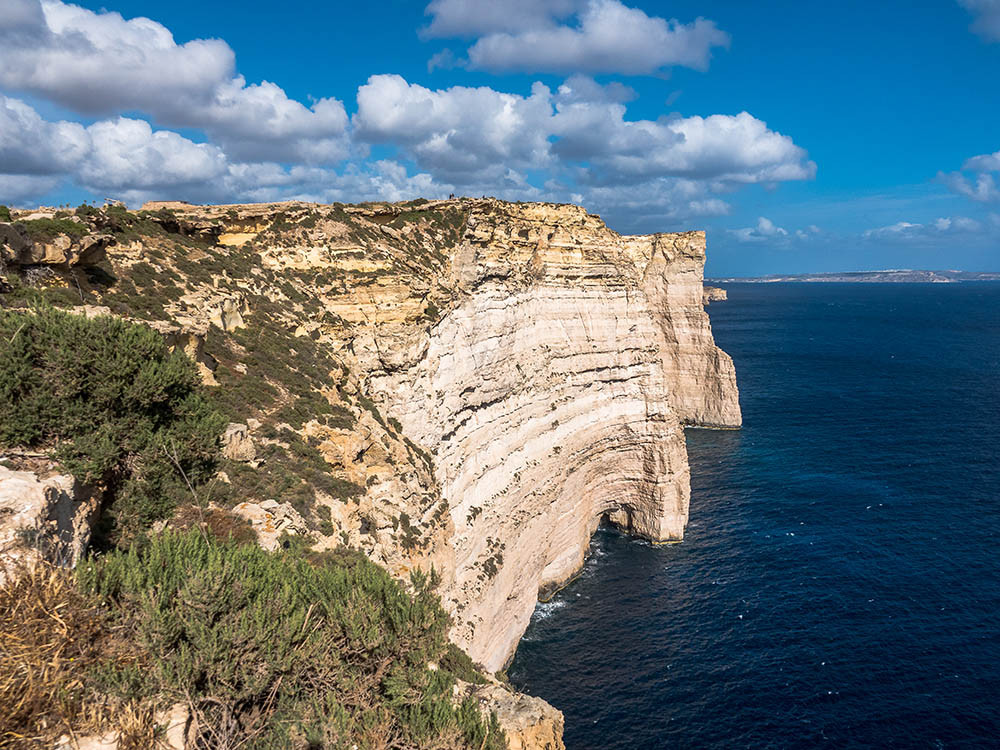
{"points": [[273, 651], [47, 229], [115, 405]]}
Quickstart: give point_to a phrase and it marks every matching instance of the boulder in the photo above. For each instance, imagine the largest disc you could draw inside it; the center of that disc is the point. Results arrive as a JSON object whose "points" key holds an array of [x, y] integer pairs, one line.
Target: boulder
{"points": [[63, 250], [50, 518], [270, 519], [237, 444], [227, 312]]}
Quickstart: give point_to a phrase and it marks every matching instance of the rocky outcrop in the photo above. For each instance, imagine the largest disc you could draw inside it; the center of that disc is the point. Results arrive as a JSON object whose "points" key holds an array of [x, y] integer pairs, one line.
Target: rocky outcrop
{"points": [[529, 723], [227, 312], [496, 379], [188, 335], [48, 518], [271, 520], [714, 294], [18, 249], [552, 395], [237, 444]]}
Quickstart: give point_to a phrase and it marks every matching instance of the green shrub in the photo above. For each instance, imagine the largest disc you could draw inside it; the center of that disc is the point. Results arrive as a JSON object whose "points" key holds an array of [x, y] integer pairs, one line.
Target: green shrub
{"points": [[4, 213], [274, 651], [119, 409], [47, 229]]}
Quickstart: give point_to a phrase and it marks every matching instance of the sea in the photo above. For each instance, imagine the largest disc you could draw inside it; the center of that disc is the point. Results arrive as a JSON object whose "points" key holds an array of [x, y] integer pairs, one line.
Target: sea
{"points": [[839, 582]]}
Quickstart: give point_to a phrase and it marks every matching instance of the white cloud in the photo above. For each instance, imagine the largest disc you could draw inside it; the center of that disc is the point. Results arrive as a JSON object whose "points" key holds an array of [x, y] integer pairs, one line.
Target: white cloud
{"points": [[127, 159], [461, 133], [983, 190], [731, 148], [981, 187], [906, 231], [987, 15], [984, 163], [607, 37], [456, 132], [103, 64], [31, 146], [766, 230], [100, 63], [129, 155], [451, 18]]}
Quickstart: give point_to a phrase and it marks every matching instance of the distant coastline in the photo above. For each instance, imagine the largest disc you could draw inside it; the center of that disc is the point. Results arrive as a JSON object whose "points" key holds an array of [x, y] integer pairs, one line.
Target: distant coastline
{"points": [[888, 276]]}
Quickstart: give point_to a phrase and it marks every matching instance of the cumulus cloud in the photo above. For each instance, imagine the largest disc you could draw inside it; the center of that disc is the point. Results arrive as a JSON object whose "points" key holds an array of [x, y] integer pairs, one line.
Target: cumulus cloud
{"points": [[764, 231], [982, 186], [127, 159], [906, 231], [31, 146], [982, 189], [984, 163], [118, 155], [129, 154], [459, 132], [732, 148], [102, 64], [987, 17], [607, 37]]}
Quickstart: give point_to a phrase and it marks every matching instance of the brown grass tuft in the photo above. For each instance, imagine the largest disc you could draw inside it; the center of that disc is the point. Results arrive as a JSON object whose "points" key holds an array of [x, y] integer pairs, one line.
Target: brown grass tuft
{"points": [[50, 636], [217, 522]]}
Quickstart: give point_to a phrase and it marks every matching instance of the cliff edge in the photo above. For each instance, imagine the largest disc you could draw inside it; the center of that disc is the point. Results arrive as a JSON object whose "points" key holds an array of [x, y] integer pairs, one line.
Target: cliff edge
{"points": [[468, 385]]}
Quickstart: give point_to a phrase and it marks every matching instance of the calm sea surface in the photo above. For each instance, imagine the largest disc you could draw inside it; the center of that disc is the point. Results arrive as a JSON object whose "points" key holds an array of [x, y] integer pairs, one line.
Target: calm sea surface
{"points": [[839, 584]]}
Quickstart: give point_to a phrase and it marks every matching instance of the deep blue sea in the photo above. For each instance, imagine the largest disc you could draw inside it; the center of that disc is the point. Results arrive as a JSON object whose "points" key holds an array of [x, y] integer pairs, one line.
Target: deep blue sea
{"points": [[839, 584]]}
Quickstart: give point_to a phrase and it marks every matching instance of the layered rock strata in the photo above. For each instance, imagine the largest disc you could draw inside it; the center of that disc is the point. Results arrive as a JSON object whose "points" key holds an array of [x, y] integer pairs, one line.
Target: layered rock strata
{"points": [[492, 378], [552, 395]]}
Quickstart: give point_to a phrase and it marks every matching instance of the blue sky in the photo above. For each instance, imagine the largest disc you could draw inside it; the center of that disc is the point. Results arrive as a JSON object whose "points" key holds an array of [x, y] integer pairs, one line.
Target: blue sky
{"points": [[801, 136]]}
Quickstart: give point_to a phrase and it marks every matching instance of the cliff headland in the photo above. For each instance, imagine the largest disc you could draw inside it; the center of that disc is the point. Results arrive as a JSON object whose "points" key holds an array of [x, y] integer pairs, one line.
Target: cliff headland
{"points": [[468, 386]]}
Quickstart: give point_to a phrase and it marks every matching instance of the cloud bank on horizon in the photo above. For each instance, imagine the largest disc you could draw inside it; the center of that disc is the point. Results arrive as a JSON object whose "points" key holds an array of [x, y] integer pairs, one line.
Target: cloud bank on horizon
{"points": [[141, 116]]}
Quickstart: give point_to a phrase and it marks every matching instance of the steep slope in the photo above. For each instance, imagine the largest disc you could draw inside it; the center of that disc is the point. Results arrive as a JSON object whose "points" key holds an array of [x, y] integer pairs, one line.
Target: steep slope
{"points": [[552, 395], [468, 384]]}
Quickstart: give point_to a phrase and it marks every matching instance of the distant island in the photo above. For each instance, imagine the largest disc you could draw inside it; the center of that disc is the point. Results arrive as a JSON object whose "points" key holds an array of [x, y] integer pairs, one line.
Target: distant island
{"points": [[891, 275]]}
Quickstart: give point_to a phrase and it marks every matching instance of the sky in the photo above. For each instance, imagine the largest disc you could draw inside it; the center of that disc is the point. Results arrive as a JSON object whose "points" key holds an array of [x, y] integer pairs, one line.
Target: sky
{"points": [[803, 137]]}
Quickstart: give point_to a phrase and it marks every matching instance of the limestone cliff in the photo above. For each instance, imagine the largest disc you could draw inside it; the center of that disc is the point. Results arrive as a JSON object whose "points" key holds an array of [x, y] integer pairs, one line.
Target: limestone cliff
{"points": [[471, 385], [553, 393]]}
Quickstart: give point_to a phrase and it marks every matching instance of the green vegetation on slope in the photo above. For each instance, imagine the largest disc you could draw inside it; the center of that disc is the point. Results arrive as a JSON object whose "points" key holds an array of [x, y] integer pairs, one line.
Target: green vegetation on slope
{"points": [[116, 406], [267, 651], [47, 229]]}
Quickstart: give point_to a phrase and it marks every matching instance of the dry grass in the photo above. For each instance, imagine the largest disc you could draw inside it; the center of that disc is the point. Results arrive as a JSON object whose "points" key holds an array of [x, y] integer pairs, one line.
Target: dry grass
{"points": [[50, 637], [220, 523]]}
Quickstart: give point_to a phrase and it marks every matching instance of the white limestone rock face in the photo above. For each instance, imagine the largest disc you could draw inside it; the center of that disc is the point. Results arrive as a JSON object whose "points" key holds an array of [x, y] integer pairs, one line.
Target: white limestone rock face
{"points": [[47, 518], [554, 394], [529, 723], [271, 520]]}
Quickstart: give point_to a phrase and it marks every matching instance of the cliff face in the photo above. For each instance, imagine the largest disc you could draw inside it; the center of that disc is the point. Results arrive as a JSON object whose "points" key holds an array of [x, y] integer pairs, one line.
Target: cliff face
{"points": [[553, 394], [483, 381]]}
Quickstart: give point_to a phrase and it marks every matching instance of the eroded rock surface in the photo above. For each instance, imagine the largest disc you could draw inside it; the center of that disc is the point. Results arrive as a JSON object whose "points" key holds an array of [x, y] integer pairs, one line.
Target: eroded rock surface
{"points": [[48, 518], [485, 382], [552, 394]]}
